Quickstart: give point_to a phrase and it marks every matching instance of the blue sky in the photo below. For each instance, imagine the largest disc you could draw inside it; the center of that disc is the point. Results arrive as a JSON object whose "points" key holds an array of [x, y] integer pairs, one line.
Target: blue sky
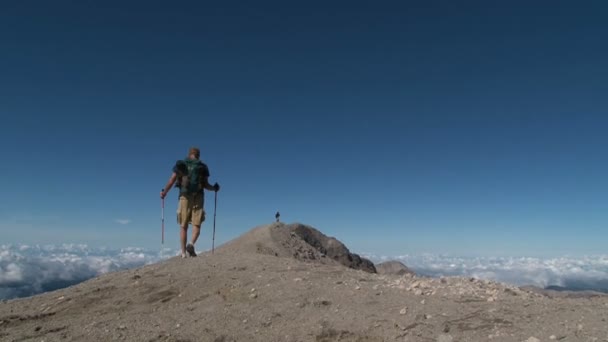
{"points": [[462, 128]]}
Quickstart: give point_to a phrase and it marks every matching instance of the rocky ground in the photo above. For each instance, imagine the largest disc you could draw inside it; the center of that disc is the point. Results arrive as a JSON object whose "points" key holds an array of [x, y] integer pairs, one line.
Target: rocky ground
{"points": [[272, 285]]}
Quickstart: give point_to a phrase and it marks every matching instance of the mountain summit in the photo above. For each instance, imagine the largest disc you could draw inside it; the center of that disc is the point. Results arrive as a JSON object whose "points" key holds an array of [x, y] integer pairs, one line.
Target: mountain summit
{"points": [[300, 242], [293, 283]]}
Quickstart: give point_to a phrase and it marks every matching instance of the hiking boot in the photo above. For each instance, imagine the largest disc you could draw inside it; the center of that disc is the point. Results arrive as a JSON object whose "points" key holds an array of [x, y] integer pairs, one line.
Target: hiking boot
{"points": [[190, 250]]}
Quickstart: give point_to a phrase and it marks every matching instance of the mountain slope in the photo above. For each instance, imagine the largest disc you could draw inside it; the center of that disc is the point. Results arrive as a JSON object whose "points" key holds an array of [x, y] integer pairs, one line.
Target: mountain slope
{"points": [[241, 294]]}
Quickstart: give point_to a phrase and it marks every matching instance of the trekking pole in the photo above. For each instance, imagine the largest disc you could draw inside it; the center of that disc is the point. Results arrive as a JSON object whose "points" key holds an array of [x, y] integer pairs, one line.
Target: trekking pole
{"points": [[214, 211], [162, 220]]}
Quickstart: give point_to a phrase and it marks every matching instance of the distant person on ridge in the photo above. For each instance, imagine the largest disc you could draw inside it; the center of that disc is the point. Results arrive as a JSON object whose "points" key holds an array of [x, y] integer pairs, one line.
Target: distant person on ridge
{"points": [[191, 176]]}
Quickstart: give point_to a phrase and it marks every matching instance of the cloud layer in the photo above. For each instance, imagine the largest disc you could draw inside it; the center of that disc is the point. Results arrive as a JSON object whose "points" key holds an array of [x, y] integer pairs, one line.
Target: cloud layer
{"points": [[28, 270], [590, 272]]}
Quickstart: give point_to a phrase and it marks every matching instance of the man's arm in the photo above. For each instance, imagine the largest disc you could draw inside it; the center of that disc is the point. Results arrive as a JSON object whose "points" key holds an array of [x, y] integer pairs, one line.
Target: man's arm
{"points": [[169, 185], [210, 187]]}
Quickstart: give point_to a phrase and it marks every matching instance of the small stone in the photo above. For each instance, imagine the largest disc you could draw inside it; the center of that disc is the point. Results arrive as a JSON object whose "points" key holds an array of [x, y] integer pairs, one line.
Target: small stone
{"points": [[427, 316], [122, 327], [245, 321], [178, 325], [445, 338], [403, 311], [297, 279], [418, 292], [553, 337], [423, 301], [253, 296], [579, 327], [253, 290], [357, 287], [375, 287], [321, 303], [532, 339], [491, 299]]}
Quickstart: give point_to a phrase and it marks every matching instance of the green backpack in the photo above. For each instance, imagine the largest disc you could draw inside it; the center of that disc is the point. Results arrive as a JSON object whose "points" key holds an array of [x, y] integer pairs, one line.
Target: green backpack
{"points": [[191, 175]]}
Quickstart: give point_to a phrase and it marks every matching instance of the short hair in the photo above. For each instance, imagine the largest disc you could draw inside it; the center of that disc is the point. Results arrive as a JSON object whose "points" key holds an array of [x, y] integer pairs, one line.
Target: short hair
{"points": [[194, 151]]}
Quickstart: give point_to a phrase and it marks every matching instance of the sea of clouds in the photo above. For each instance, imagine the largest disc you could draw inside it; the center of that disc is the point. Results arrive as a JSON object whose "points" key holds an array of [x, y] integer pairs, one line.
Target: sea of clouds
{"points": [[28, 270], [572, 273]]}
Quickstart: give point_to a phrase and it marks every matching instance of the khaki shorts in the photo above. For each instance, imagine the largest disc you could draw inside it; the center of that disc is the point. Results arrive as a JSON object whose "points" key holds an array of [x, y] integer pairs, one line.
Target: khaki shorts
{"points": [[190, 209]]}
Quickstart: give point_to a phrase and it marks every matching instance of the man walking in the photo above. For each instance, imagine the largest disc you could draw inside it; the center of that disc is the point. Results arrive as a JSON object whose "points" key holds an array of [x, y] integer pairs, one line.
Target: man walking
{"points": [[191, 176]]}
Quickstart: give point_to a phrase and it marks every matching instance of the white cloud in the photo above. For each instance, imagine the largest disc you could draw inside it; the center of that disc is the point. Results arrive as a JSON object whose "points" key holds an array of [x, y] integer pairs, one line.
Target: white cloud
{"points": [[28, 270], [12, 273], [589, 272], [122, 221]]}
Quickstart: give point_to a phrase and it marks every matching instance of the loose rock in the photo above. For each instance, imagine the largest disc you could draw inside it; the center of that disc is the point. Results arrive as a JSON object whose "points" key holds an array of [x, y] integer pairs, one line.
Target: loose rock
{"points": [[445, 338]]}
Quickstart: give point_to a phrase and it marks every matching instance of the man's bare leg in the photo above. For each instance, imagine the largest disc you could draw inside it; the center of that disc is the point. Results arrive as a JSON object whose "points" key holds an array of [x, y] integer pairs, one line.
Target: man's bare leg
{"points": [[196, 231], [183, 234]]}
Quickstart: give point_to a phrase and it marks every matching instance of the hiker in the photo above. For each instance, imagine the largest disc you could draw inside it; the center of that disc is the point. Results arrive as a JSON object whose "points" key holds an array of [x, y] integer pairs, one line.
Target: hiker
{"points": [[191, 176]]}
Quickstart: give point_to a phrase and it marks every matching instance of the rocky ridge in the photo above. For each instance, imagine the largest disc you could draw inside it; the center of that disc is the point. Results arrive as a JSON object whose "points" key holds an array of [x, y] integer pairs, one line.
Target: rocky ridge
{"points": [[393, 267], [240, 293], [301, 242]]}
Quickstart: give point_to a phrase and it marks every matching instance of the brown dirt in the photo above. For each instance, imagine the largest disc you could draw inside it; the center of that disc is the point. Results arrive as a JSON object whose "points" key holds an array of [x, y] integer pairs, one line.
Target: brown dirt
{"points": [[244, 292]]}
